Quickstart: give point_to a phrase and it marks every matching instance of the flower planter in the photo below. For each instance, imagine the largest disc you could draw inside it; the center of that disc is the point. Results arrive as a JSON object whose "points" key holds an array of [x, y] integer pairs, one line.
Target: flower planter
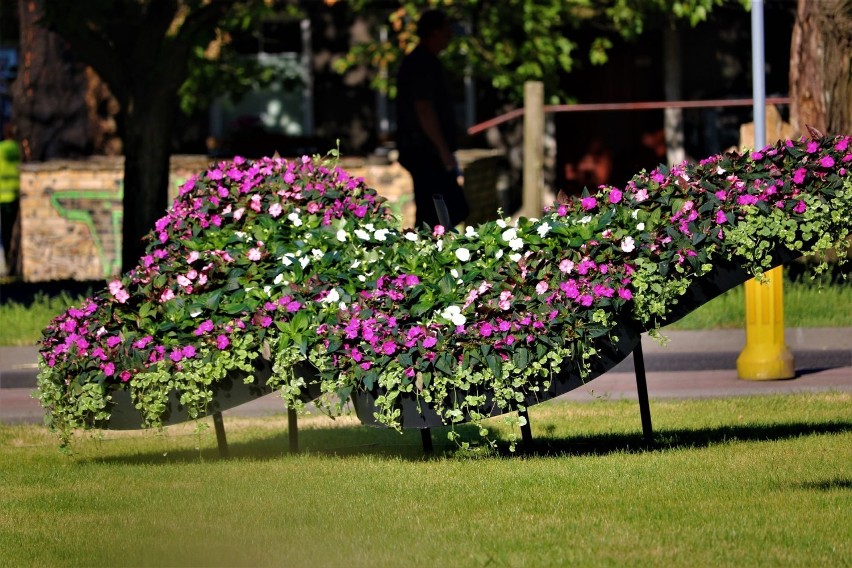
{"points": [[419, 414], [228, 393]]}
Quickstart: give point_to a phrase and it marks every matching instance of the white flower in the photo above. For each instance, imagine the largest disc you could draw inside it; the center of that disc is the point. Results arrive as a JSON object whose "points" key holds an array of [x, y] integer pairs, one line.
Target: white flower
{"points": [[370, 227], [287, 259], [463, 254], [586, 219], [628, 244], [362, 278], [515, 257], [316, 253], [635, 213], [640, 227], [240, 235], [304, 261], [543, 229], [381, 234], [719, 170], [501, 223], [295, 219], [355, 264], [362, 234], [499, 254], [470, 232], [267, 290], [341, 236], [411, 237], [454, 273], [516, 244], [453, 313], [342, 306], [509, 234], [277, 280], [440, 245], [333, 296]]}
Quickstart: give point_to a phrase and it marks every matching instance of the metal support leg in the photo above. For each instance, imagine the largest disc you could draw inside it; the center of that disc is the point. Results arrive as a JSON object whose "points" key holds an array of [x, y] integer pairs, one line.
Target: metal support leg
{"points": [[642, 393], [221, 440], [293, 430], [426, 437], [526, 431]]}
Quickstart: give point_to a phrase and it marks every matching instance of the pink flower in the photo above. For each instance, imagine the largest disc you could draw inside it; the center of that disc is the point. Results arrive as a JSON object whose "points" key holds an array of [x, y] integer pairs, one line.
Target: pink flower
{"points": [[641, 195], [720, 217], [589, 203], [800, 207], [438, 230], [657, 176], [799, 175], [747, 199], [541, 287], [175, 355], [222, 341], [812, 147], [254, 254], [125, 376], [429, 342], [625, 294], [826, 161], [205, 327], [275, 209], [842, 145], [486, 329], [566, 266], [615, 195], [109, 369], [188, 351]]}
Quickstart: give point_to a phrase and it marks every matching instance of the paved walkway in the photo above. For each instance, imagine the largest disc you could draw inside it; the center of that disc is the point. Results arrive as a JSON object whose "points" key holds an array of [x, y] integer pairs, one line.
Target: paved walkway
{"points": [[693, 364]]}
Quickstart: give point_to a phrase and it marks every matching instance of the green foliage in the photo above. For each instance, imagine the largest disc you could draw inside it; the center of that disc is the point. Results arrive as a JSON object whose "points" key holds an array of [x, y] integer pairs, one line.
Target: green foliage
{"points": [[510, 42]]}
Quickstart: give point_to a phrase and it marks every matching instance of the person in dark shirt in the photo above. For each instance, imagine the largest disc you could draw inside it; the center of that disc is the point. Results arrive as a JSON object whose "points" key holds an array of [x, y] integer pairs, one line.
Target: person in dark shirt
{"points": [[426, 126]]}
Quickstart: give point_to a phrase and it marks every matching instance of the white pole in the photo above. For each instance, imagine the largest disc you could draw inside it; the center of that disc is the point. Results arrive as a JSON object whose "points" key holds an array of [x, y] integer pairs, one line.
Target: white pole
{"points": [[758, 72]]}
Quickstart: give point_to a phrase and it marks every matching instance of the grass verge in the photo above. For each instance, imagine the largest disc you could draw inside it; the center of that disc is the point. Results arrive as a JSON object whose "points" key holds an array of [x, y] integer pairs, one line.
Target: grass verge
{"points": [[751, 481]]}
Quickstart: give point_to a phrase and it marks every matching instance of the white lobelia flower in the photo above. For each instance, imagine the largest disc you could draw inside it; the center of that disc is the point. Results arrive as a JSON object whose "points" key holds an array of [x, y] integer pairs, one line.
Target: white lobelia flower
{"points": [[381, 234], [362, 234], [628, 244], [453, 313], [463, 254], [341, 236], [543, 229], [515, 257]]}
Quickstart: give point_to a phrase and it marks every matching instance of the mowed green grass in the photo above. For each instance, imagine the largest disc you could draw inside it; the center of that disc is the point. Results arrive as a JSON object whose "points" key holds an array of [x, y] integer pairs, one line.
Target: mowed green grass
{"points": [[751, 481]]}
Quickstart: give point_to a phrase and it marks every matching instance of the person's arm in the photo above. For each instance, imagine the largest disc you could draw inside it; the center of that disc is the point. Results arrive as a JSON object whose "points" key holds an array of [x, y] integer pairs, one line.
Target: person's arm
{"points": [[428, 119]]}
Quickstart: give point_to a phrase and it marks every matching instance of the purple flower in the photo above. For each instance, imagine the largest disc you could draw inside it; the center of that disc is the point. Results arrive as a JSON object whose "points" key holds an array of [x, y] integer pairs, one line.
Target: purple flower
{"points": [[799, 175], [800, 207], [188, 351], [826, 161], [720, 217], [222, 341], [486, 329], [205, 327], [176, 355], [747, 199], [429, 342], [812, 147], [389, 347], [615, 195], [625, 294]]}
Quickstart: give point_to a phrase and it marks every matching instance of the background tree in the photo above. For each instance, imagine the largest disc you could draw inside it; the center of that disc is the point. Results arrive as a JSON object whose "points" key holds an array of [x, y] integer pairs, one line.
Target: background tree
{"points": [[509, 42], [145, 51], [821, 67]]}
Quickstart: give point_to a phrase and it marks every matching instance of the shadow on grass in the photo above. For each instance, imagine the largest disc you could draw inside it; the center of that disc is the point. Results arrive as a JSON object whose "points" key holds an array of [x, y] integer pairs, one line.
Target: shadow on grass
{"points": [[345, 442]]}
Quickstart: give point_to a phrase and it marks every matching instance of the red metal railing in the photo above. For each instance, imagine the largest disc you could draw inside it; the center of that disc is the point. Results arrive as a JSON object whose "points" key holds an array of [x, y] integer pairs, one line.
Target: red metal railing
{"points": [[652, 105]]}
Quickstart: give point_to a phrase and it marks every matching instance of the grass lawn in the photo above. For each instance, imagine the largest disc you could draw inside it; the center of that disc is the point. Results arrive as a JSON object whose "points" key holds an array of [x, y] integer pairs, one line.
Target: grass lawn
{"points": [[751, 481]]}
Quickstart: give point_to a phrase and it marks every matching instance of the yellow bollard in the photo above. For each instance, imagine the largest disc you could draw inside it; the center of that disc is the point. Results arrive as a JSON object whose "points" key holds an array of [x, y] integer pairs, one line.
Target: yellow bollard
{"points": [[765, 355]]}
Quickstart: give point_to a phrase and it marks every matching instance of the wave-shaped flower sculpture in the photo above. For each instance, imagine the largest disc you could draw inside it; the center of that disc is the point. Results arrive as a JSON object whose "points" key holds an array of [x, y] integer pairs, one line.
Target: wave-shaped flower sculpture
{"points": [[296, 277]]}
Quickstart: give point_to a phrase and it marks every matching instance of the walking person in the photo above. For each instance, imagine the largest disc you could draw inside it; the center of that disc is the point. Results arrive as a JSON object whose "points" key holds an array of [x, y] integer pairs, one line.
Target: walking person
{"points": [[426, 125]]}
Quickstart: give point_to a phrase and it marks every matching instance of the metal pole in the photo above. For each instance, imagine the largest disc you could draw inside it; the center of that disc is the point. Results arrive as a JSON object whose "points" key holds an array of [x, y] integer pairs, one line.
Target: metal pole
{"points": [[219, 426], [293, 430], [758, 72], [533, 148], [642, 393]]}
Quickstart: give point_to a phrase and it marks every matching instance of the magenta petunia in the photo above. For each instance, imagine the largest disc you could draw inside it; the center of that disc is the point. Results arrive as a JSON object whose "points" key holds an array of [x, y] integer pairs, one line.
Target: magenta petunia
{"points": [[720, 217], [800, 207], [588, 203], [615, 195], [222, 341], [188, 351], [826, 161]]}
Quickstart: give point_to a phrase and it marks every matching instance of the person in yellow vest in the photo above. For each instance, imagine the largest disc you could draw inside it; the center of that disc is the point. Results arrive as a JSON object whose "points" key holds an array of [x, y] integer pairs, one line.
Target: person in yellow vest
{"points": [[10, 184]]}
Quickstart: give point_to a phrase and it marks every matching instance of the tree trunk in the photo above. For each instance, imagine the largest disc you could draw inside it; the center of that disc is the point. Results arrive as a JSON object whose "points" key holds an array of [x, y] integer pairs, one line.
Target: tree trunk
{"points": [[49, 110], [147, 136], [821, 67]]}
